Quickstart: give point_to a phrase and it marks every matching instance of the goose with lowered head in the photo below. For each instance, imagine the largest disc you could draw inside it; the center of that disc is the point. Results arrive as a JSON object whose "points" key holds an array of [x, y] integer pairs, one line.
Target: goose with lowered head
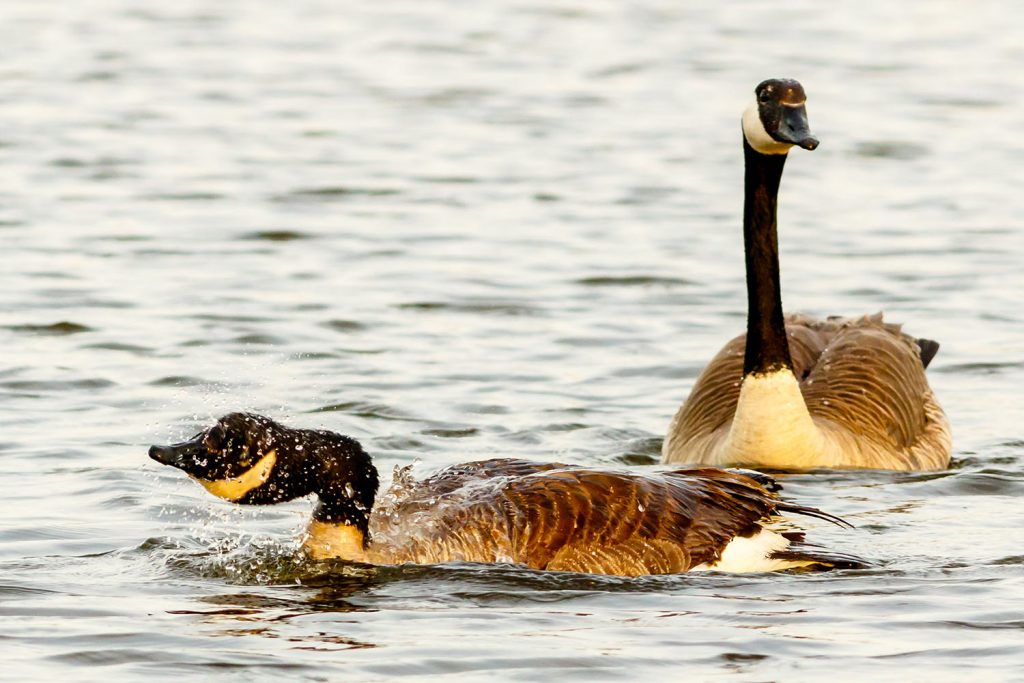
{"points": [[543, 515], [795, 392]]}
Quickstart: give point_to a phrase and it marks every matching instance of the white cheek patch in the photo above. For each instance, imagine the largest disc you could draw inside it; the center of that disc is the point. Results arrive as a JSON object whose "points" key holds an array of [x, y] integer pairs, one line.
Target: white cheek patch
{"points": [[235, 488], [757, 136]]}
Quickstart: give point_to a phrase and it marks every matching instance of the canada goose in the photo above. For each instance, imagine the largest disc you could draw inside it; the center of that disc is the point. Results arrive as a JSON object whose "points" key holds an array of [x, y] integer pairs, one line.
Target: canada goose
{"points": [[804, 393], [543, 515]]}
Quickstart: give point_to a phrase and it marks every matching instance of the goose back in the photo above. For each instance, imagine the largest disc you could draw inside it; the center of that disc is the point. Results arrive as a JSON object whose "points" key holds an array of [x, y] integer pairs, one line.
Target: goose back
{"points": [[557, 517]]}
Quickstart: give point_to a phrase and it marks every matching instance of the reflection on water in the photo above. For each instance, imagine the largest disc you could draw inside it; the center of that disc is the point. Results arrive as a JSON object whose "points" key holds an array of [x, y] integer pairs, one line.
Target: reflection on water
{"points": [[244, 614], [509, 230]]}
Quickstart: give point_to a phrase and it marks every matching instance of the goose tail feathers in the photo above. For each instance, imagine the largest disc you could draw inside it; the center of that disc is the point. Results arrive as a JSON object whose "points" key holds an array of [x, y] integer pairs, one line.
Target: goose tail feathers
{"points": [[928, 347], [795, 509]]}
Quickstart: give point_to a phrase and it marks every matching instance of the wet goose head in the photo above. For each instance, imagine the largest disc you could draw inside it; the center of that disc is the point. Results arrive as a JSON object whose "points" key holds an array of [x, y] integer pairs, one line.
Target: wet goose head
{"points": [[777, 119], [234, 459], [253, 460]]}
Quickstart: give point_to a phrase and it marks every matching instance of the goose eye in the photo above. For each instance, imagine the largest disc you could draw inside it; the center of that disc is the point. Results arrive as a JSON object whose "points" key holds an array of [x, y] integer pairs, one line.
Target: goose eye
{"points": [[764, 96]]}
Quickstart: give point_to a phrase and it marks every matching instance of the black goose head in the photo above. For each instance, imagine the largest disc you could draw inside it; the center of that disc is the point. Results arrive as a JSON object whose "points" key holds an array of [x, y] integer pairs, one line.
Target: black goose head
{"points": [[778, 118], [253, 460], [235, 459]]}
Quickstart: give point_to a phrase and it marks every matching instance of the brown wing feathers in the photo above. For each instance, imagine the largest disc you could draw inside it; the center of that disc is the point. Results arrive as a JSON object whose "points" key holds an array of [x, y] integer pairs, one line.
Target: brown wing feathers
{"points": [[631, 524], [565, 518], [592, 521], [872, 383]]}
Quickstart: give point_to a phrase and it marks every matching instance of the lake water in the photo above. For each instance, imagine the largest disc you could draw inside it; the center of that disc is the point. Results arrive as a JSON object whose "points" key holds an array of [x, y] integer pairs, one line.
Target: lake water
{"points": [[463, 230]]}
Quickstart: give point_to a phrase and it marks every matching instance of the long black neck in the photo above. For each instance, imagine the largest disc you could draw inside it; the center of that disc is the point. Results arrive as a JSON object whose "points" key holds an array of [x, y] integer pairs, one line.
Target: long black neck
{"points": [[767, 349]]}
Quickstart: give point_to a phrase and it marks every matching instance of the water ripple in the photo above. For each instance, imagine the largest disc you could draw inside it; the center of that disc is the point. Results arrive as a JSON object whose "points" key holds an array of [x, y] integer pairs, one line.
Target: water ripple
{"points": [[496, 229]]}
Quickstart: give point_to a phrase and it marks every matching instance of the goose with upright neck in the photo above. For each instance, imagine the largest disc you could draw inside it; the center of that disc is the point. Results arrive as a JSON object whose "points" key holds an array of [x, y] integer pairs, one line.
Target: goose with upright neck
{"points": [[795, 392]]}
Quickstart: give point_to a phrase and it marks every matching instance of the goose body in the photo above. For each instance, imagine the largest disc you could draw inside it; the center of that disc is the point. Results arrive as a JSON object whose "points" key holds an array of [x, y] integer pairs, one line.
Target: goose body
{"points": [[855, 397], [542, 515], [795, 392]]}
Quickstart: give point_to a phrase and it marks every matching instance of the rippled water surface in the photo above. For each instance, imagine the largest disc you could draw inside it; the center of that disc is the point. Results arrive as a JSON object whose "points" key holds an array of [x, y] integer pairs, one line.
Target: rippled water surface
{"points": [[460, 230]]}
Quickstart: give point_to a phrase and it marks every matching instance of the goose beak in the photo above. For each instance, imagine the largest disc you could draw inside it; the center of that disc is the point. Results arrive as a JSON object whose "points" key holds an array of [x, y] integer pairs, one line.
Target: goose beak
{"points": [[178, 455], [794, 129]]}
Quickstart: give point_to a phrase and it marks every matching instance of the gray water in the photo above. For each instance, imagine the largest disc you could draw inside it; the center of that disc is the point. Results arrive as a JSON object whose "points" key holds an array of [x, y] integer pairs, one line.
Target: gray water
{"points": [[463, 230]]}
